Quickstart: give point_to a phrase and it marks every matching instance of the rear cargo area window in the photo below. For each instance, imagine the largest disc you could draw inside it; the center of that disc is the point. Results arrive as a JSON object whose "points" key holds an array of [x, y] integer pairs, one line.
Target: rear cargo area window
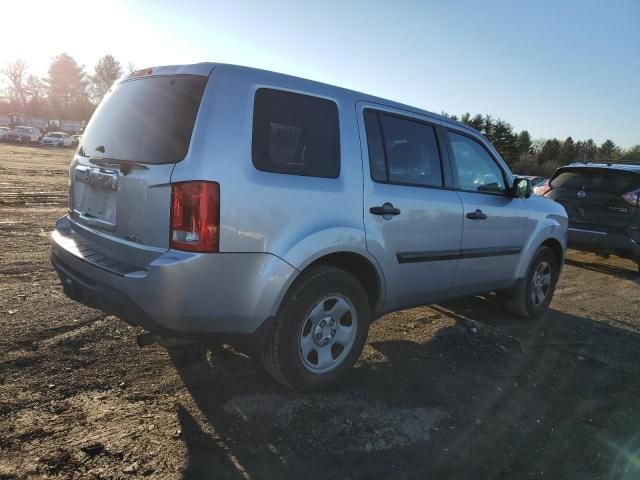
{"points": [[147, 120], [295, 134], [596, 181]]}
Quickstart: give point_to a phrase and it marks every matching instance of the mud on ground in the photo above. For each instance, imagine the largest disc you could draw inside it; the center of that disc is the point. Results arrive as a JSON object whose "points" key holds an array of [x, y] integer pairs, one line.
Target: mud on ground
{"points": [[461, 390]]}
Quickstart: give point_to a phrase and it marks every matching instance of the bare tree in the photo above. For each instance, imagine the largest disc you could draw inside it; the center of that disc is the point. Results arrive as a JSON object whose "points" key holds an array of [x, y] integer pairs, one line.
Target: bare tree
{"points": [[16, 74]]}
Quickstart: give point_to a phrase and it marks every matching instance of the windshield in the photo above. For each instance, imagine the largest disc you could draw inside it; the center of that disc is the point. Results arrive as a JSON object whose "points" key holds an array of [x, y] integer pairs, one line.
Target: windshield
{"points": [[23, 130], [147, 120], [55, 135]]}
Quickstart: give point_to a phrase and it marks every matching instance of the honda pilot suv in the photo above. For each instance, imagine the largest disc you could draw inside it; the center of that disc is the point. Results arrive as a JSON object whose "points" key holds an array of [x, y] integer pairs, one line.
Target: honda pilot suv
{"points": [[603, 204], [225, 204]]}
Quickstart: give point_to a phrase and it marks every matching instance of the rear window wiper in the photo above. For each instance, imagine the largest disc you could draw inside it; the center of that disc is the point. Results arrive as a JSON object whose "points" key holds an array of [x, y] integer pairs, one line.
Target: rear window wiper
{"points": [[123, 165]]}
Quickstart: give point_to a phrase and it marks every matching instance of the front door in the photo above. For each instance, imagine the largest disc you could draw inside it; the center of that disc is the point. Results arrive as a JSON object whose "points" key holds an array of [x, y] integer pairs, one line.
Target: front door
{"points": [[413, 223], [494, 223]]}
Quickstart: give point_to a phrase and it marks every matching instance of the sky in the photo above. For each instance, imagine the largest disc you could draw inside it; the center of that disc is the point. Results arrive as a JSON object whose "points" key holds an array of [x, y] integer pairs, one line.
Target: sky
{"points": [[556, 68]]}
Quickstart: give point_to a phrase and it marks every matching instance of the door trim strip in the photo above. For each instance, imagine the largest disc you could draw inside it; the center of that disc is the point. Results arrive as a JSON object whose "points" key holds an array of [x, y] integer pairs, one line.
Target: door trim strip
{"points": [[441, 255]]}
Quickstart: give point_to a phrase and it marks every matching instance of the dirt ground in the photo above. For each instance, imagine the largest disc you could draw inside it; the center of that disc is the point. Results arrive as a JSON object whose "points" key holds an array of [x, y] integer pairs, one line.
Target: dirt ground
{"points": [[461, 390]]}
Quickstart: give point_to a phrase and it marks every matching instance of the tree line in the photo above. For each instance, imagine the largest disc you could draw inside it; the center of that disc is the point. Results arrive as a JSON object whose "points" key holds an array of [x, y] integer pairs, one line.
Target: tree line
{"points": [[527, 156], [67, 92]]}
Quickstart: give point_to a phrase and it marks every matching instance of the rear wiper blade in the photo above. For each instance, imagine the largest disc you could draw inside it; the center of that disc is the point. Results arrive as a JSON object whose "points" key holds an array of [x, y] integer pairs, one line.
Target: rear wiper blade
{"points": [[115, 162]]}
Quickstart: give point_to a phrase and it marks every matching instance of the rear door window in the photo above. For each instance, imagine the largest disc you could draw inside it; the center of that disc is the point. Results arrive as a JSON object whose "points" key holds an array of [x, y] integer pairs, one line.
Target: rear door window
{"points": [[295, 134], [147, 120], [596, 181], [402, 150]]}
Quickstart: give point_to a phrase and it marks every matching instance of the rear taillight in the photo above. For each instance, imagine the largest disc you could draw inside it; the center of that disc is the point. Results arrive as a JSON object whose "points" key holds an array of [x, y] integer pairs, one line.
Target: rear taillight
{"points": [[633, 198], [195, 216]]}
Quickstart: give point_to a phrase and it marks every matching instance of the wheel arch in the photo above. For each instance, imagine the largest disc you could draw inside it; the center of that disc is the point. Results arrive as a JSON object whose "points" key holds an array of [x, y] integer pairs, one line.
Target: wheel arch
{"points": [[360, 264], [551, 235]]}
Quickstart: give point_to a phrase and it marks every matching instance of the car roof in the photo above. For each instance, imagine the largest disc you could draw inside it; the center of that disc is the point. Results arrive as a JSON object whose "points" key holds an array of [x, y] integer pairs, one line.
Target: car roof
{"points": [[206, 68], [626, 167]]}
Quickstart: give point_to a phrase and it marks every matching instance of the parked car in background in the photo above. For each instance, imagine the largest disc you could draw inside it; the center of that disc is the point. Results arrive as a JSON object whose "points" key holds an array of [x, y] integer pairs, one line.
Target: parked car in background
{"points": [[283, 242], [58, 139], [23, 134], [4, 131], [542, 187], [603, 204]]}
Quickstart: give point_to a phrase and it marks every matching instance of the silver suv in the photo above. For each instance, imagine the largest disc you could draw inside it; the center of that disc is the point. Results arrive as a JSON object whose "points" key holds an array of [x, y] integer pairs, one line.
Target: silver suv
{"points": [[225, 204]]}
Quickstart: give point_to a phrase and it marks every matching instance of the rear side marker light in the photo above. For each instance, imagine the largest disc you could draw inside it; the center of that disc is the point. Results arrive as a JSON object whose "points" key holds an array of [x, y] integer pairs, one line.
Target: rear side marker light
{"points": [[195, 216], [632, 198]]}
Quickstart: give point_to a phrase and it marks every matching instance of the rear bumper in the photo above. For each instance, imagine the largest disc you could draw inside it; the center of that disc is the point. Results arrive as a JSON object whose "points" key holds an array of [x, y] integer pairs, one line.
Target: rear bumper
{"points": [[179, 294], [601, 240]]}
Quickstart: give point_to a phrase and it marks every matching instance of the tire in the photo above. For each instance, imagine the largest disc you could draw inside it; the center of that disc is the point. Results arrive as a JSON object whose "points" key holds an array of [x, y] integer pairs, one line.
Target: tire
{"points": [[525, 299], [306, 354]]}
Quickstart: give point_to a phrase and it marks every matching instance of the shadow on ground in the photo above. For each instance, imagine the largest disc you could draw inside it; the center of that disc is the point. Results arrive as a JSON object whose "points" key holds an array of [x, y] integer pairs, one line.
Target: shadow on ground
{"points": [[619, 272], [490, 396]]}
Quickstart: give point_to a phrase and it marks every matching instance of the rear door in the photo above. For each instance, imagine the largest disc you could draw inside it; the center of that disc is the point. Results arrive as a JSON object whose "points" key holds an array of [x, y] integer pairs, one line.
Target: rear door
{"points": [[494, 223], [120, 190], [413, 222], [593, 197]]}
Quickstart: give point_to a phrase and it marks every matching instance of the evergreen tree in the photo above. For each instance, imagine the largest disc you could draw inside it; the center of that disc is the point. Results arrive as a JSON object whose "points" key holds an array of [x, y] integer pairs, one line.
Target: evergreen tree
{"points": [[524, 142], [487, 127], [550, 152], [106, 72], [476, 122], [608, 151], [590, 150], [567, 151], [67, 88]]}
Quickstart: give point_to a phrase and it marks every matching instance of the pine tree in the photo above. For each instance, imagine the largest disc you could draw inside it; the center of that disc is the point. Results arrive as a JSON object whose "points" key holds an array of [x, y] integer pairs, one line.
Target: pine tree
{"points": [[106, 72], [608, 151], [67, 88], [567, 151], [524, 142]]}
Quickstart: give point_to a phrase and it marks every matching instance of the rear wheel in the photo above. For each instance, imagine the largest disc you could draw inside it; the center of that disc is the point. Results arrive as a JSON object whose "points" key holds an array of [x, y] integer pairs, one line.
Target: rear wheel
{"points": [[532, 296], [320, 330]]}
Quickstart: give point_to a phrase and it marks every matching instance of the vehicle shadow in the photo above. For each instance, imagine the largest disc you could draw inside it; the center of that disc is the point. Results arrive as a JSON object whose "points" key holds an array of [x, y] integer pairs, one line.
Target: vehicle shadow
{"points": [[620, 272], [483, 395]]}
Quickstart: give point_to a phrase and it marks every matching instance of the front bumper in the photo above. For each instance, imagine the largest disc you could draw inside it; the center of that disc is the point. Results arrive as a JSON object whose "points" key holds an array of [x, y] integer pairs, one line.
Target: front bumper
{"points": [[179, 293], [602, 240]]}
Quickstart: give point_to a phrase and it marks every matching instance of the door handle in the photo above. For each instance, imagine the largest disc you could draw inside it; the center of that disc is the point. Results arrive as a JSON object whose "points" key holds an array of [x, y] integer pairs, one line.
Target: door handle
{"points": [[477, 215], [386, 209]]}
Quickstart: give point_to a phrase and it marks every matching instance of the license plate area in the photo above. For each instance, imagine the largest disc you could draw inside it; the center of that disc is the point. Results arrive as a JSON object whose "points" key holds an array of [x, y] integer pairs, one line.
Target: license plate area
{"points": [[95, 193]]}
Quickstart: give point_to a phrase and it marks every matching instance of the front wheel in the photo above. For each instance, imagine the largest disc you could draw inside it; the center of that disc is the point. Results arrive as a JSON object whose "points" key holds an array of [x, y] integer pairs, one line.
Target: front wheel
{"points": [[533, 294], [320, 330]]}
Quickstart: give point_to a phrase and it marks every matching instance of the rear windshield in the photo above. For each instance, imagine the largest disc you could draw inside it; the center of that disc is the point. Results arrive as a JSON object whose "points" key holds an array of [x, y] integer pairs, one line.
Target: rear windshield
{"points": [[597, 180], [148, 120]]}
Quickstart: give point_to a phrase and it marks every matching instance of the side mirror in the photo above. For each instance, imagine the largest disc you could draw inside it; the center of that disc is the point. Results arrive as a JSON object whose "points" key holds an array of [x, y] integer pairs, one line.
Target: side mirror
{"points": [[521, 188]]}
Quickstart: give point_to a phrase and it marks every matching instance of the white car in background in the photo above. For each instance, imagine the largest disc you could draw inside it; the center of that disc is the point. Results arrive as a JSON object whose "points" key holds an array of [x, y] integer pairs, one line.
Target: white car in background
{"points": [[58, 139], [4, 131], [24, 134]]}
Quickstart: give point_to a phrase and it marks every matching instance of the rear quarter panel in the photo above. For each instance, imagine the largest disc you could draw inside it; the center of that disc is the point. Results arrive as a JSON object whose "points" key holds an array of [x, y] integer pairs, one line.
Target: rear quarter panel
{"points": [[293, 217]]}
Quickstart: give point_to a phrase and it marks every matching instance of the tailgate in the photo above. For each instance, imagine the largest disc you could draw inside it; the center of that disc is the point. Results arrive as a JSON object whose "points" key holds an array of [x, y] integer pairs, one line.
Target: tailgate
{"points": [[594, 196], [120, 179]]}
